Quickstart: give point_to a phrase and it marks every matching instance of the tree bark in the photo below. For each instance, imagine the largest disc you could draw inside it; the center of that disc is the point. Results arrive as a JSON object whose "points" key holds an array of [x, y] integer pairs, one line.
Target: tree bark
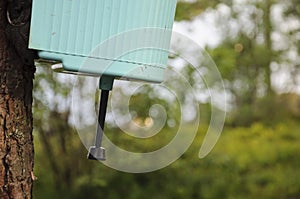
{"points": [[16, 75]]}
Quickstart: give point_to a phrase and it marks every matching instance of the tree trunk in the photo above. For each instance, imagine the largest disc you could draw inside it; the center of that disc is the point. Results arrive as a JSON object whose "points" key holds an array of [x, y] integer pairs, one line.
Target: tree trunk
{"points": [[16, 75], [268, 42]]}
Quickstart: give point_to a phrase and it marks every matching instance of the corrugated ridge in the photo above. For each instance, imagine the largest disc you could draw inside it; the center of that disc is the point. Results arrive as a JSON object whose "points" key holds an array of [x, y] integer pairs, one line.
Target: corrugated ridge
{"points": [[77, 25]]}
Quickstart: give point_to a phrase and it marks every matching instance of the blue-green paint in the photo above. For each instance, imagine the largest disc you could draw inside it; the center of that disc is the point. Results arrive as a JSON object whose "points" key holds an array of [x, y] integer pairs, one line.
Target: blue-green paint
{"points": [[120, 38]]}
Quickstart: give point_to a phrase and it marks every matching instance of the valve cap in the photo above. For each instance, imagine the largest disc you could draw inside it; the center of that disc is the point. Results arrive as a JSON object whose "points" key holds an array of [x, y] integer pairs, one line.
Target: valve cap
{"points": [[96, 153]]}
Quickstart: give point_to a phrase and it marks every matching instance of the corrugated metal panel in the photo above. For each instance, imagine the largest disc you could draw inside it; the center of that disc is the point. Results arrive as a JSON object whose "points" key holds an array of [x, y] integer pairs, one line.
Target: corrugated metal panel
{"points": [[79, 27]]}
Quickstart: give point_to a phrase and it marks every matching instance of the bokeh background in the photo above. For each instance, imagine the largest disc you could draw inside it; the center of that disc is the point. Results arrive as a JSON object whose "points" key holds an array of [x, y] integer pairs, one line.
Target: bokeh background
{"points": [[255, 44]]}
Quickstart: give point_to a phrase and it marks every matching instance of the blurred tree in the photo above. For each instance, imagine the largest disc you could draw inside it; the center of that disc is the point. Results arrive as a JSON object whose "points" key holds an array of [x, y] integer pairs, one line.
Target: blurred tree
{"points": [[63, 157], [260, 42], [245, 58], [17, 71], [291, 31], [251, 54], [187, 10]]}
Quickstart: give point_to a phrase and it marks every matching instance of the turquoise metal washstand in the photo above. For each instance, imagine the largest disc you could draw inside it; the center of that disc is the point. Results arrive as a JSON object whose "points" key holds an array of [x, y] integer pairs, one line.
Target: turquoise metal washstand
{"points": [[124, 39]]}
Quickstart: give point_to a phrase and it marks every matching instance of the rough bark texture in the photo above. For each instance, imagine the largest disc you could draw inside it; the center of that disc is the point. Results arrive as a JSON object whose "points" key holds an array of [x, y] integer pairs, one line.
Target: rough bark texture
{"points": [[16, 75]]}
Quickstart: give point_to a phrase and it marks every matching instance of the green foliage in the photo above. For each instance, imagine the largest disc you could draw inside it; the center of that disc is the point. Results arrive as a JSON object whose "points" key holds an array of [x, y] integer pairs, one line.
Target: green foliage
{"points": [[252, 162], [270, 110], [187, 10], [225, 57]]}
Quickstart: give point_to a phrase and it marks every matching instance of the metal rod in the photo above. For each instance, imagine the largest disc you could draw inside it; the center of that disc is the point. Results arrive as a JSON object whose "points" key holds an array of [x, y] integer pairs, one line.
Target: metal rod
{"points": [[101, 117], [97, 152]]}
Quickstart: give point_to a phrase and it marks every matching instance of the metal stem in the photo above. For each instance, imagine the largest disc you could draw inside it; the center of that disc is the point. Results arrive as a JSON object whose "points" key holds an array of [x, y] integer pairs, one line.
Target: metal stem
{"points": [[101, 117], [97, 152]]}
